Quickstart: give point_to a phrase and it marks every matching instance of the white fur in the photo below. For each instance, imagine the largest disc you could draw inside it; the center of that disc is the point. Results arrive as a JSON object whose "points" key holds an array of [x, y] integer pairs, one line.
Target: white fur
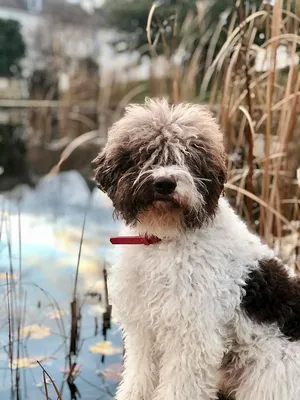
{"points": [[179, 306]]}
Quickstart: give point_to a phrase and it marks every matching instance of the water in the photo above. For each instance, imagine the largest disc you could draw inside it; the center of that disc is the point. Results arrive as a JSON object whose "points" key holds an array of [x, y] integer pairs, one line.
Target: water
{"points": [[51, 219]]}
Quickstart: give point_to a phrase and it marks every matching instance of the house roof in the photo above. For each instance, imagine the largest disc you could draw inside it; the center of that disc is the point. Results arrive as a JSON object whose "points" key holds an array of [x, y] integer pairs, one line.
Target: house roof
{"points": [[19, 4], [72, 13], [62, 11]]}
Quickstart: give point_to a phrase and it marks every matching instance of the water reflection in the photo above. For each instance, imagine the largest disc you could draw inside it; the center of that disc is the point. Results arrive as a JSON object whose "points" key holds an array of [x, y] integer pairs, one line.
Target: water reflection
{"points": [[40, 239]]}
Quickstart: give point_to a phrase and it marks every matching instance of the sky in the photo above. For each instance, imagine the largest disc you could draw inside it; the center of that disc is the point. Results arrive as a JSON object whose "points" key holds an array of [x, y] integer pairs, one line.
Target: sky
{"points": [[88, 3]]}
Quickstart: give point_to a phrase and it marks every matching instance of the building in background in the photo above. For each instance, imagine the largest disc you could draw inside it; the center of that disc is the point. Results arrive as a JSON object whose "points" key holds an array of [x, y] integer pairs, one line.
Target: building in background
{"points": [[55, 28], [70, 31]]}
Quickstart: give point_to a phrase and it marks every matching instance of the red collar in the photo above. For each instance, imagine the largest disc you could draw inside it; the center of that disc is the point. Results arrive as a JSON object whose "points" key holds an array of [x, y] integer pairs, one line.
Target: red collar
{"points": [[145, 240]]}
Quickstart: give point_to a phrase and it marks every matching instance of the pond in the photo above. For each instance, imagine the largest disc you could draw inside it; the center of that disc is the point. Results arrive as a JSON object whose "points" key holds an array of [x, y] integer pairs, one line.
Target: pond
{"points": [[40, 242]]}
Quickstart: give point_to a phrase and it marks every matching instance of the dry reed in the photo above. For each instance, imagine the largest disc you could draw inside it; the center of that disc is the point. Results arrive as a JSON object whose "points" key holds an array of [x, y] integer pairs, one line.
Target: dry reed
{"points": [[257, 107]]}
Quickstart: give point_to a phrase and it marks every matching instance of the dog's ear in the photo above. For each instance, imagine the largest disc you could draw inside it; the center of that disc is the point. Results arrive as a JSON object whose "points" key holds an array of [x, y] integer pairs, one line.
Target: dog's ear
{"points": [[102, 173], [207, 161], [110, 165]]}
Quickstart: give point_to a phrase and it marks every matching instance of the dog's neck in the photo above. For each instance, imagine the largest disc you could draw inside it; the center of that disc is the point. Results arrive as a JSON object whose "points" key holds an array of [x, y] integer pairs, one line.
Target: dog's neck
{"points": [[224, 223], [146, 240]]}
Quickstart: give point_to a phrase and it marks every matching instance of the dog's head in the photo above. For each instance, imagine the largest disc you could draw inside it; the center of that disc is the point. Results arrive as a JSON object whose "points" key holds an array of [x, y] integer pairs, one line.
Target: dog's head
{"points": [[163, 167]]}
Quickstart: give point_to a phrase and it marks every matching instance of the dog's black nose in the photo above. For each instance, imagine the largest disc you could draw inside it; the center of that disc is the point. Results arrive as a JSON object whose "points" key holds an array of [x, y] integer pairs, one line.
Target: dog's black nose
{"points": [[164, 185]]}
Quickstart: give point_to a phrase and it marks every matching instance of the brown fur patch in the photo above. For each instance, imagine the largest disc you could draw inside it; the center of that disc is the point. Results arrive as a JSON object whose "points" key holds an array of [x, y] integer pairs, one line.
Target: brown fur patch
{"points": [[272, 296]]}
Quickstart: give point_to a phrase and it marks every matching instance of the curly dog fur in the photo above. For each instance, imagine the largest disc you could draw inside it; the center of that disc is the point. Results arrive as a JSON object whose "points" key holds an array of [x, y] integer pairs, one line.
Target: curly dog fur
{"points": [[209, 309]]}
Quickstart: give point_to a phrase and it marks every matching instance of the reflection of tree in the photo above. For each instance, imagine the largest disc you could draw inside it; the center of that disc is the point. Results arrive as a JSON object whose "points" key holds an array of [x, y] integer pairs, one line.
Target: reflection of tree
{"points": [[13, 157]]}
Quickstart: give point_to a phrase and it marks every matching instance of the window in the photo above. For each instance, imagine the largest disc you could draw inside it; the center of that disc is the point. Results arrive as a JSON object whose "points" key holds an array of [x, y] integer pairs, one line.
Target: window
{"points": [[35, 5]]}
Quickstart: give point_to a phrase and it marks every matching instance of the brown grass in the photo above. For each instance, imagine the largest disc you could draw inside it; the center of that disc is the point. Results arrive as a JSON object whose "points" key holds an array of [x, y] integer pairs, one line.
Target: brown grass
{"points": [[250, 105]]}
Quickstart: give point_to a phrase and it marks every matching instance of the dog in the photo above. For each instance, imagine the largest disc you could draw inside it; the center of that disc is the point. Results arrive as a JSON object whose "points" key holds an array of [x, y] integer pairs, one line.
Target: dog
{"points": [[206, 308]]}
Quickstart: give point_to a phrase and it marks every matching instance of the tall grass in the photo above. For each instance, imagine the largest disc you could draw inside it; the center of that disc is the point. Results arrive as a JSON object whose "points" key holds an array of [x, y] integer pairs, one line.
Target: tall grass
{"points": [[263, 105], [257, 106]]}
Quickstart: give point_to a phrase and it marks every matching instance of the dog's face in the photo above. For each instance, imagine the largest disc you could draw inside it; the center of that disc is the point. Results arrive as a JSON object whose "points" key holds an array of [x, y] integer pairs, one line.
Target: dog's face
{"points": [[163, 167]]}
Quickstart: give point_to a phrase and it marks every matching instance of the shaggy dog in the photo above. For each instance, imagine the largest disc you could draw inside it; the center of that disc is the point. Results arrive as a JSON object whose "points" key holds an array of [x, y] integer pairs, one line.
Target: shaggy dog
{"points": [[205, 307]]}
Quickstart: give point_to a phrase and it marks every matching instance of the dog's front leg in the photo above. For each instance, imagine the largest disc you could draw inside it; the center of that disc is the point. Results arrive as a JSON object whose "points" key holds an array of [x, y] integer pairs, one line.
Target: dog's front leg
{"points": [[188, 371], [140, 370]]}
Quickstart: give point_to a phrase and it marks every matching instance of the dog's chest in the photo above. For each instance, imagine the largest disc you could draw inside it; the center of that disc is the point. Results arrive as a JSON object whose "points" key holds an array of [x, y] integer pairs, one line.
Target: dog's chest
{"points": [[163, 284]]}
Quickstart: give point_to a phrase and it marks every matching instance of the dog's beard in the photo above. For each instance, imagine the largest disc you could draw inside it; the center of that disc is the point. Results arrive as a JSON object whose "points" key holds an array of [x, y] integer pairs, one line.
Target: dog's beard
{"points": [[162, 218], [168, 216]]}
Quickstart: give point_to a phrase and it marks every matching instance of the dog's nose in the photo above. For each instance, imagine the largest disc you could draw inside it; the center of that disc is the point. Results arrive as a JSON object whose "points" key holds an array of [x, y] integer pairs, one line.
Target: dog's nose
{"points": [[164, 185]]}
